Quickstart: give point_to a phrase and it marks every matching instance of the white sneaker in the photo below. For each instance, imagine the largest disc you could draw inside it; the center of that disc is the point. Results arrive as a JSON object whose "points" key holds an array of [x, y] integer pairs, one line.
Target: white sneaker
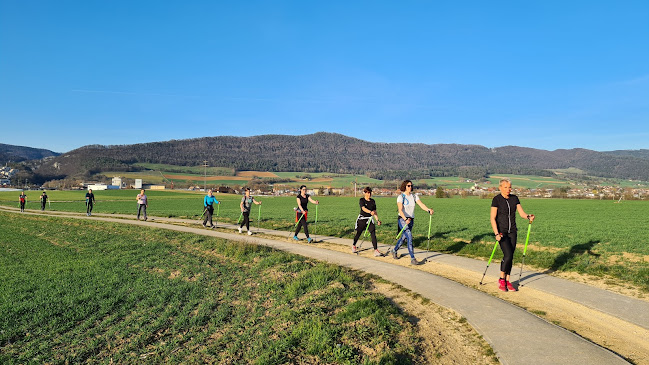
{"points": [[240, 230], [249, 233]]}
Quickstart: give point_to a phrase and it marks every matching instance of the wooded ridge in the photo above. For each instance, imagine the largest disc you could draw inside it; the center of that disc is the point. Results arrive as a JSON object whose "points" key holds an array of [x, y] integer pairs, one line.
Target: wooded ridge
{"points": [[336, 153]]}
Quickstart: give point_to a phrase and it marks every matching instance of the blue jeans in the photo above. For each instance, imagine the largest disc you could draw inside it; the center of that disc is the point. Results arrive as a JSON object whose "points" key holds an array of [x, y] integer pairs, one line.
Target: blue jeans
{"points": [[407, 233]]}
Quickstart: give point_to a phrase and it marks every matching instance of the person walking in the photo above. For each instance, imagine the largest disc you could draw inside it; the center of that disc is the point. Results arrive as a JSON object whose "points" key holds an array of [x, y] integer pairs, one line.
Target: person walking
{"points": [[503, 222], [367, 216], [90, 202], [43, 200], [208, 205], [246, 205], [303, 200], [22, 199], [142, 204], [406, 207]]}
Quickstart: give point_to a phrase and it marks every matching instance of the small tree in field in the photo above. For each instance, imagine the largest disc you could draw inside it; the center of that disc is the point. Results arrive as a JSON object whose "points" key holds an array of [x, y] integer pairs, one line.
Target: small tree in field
{"points": [[439, 193]]}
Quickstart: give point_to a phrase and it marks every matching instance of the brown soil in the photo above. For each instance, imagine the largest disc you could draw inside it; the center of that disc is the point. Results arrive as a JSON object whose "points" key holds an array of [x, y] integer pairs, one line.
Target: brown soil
{"points": [[256, 173], [209, 178]]}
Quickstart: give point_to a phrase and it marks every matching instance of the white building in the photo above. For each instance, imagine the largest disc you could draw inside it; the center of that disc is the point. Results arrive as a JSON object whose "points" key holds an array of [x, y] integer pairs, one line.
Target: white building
{"points": [[117, 181]]}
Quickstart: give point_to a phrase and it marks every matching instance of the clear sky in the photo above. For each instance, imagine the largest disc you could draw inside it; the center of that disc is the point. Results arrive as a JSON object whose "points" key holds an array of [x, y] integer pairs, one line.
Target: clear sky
{"points": [[541, 74]]}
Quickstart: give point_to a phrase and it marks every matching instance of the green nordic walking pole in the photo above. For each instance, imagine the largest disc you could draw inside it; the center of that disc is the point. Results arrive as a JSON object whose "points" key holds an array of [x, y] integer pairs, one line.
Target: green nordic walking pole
{"points": [[400, 232], [315, 224], [527, 239], [365, 234], [240, 215], [430, 221], [296, 223], [489, 262], [218, 209], [258, 215]]}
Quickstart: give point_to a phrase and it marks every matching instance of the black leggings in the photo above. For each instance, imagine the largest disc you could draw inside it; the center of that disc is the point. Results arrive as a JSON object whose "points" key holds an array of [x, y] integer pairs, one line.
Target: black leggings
{"points": [[246, 220], [507, 245], [22, 206], [361, 224], [209, 210], [302, 223]]}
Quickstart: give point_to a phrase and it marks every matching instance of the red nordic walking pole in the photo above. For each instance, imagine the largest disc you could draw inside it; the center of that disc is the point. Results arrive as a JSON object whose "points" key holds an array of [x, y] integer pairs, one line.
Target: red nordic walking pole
{"points": [[527, 239], [489, 262]]}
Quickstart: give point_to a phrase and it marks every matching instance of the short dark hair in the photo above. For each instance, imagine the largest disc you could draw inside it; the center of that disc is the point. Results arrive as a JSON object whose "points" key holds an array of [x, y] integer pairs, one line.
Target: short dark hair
{"points": [[303, 186], [403, 185], [367, 190]]}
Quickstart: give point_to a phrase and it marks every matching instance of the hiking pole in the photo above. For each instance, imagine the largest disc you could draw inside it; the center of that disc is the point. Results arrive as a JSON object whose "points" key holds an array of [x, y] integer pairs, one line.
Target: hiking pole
{"points": [[489, 262], [296, 223], [240, 215], [397, 238], [315, 224], [430, 221], [364, 235], [527, 239], [258, 215], [218, 209], [400, 232], [204, 210]]}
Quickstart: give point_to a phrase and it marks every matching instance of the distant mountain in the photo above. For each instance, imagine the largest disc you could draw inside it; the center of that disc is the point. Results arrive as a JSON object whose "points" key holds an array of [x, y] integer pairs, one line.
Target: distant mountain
{"points": [[336, 153], [19, 153], [632, 153]]}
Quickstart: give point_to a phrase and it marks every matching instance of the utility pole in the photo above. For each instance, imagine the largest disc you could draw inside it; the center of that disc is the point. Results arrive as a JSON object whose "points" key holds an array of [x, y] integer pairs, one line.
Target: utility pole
{"points": [[205, 176]]}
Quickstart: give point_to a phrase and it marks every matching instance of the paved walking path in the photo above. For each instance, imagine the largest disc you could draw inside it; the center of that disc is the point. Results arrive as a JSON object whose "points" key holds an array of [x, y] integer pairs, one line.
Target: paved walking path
{"points": [[516, 336]]}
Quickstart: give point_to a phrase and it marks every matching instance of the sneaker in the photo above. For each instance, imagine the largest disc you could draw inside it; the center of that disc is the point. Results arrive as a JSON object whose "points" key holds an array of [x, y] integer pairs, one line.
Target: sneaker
{"points": [[240, 230], [510, 287], [415, 262], [309, 240], [204, 225], [295, 238], [502, 284], [394, 255], [377, 253], [354, 249], [249, 233]]}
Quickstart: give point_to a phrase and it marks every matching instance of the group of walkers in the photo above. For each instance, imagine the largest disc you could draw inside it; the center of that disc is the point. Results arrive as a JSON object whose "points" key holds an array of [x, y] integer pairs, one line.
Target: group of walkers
{"points": [[504, 207], [22, 199]]}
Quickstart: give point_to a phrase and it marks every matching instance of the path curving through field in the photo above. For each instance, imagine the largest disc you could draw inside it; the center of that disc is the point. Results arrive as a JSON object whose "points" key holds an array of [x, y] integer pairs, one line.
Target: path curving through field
{"points": [[517, 335]]}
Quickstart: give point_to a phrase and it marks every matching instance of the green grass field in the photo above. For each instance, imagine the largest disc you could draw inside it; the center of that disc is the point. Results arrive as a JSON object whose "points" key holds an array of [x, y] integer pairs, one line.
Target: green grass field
{"points": [[586, 236], [77, 291], [519, 181]]}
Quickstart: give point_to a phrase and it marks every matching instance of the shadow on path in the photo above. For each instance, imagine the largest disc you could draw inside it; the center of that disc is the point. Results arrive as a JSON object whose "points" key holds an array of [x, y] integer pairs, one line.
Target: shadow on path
{"points": [[582, 249]]}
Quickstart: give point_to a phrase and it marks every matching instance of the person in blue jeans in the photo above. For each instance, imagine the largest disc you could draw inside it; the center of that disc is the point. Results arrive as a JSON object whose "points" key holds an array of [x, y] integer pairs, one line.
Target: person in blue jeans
{"points": [[406, 205]]}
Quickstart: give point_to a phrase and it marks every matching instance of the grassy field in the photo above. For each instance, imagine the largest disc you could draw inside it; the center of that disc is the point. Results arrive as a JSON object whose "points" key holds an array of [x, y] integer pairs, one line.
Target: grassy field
{"points": [[76, 291], [519, 181], [586, 236]]}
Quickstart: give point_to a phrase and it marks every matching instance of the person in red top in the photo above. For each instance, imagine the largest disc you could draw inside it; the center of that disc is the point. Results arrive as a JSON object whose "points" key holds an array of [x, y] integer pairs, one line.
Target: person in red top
{"points": [[503, 221], [22, 199]]}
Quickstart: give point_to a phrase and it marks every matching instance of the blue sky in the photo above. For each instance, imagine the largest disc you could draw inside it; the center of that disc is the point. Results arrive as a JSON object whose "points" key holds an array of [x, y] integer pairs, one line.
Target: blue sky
{"points": [[543, 74]]}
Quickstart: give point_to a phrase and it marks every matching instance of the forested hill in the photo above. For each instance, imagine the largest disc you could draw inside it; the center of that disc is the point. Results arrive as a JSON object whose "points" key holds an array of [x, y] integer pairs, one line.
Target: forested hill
{"points": [[335, 153], [10, 153]]}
